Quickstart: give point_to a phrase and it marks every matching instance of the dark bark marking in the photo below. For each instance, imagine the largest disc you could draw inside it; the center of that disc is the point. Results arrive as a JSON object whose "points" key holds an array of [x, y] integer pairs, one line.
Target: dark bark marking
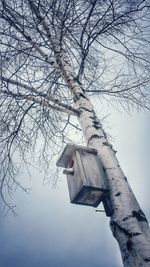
{"points": [[129, 245], [75, 99], [52, 62], [139, 215], [107, 144], [123, 230], [85, 108], [97, 127], [91, 117], [46, 58], [135, 234], [115, 151], [114, 225], [82, 95], [101, 136], [118, 194], [147, 259], [126, 218], [125, 178], [96, 122], [93, 136]]}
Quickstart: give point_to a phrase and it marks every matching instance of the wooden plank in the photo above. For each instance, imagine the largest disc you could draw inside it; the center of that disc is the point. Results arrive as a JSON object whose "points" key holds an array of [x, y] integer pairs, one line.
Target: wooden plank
{"points": [[81, 167], [75, 182]]}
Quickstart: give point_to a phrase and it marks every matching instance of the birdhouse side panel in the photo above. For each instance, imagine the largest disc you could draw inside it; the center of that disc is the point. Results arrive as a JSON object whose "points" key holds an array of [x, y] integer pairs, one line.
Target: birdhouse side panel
{"points": [[93, 170]]}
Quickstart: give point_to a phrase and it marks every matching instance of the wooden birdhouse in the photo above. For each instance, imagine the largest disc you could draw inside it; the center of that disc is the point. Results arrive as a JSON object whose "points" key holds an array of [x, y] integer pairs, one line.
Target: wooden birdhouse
{"points": [[85, 175]]}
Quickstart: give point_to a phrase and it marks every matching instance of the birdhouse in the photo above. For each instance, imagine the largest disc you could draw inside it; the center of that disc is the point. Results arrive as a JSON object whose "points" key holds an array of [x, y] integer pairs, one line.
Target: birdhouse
{"points": [[85, 175]]}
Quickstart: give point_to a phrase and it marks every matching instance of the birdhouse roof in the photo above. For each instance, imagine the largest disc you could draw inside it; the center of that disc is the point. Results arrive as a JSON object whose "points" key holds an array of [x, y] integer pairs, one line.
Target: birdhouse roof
{"points": [[68, 151]]}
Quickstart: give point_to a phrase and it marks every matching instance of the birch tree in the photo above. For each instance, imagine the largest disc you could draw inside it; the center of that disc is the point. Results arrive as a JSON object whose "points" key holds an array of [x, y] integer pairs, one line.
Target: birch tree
{"points": [[56, 56]]}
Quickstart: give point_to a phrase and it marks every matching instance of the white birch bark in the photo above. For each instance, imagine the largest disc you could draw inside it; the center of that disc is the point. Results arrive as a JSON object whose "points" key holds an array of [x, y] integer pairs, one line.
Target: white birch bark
{"points": [[128, 223]]}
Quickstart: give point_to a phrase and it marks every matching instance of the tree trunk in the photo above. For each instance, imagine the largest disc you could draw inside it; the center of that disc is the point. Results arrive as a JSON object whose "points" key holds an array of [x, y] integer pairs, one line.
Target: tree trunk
{"points": [[128, 223]]}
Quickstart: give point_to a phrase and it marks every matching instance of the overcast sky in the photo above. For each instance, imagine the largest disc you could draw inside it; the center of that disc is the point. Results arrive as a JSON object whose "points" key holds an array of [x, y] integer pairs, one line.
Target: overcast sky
{"points": [[51, 232]]}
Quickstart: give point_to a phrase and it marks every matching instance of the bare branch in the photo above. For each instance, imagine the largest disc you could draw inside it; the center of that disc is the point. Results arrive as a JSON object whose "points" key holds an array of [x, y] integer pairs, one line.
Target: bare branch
{"points": [[67, 109]]}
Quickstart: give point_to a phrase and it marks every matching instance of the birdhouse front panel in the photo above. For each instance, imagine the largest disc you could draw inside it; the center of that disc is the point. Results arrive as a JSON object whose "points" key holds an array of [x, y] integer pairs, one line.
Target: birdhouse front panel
{"points": [[75, 180]]}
